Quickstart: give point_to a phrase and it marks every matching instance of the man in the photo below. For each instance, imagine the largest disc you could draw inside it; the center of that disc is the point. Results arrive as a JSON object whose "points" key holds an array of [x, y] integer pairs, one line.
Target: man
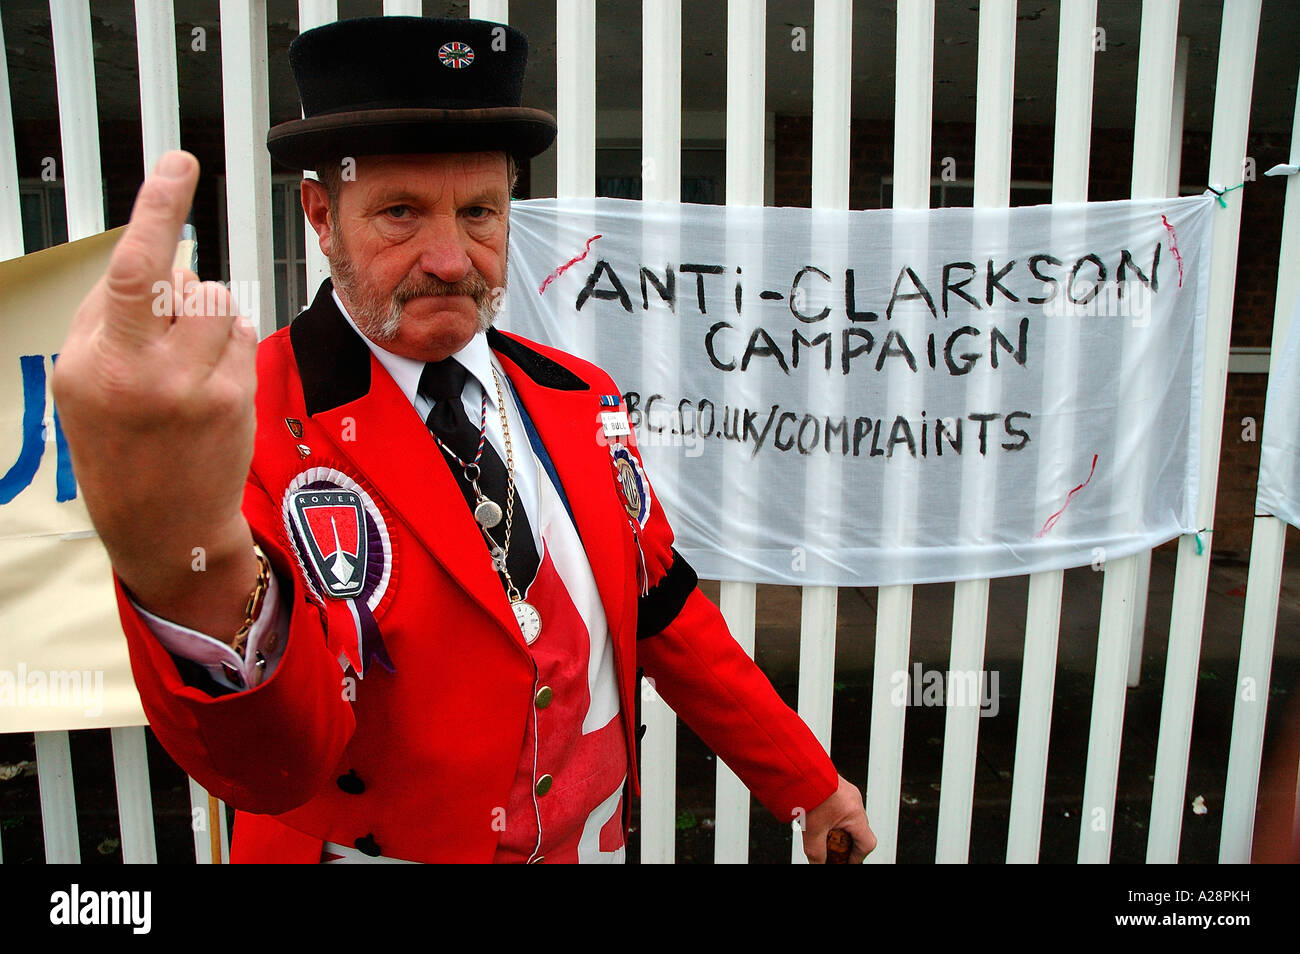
{"points": [[396, 609]]}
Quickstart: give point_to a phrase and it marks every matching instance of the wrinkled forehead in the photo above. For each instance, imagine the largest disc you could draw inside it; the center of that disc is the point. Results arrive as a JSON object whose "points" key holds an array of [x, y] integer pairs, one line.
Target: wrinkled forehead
{"points": [[452, 168]]}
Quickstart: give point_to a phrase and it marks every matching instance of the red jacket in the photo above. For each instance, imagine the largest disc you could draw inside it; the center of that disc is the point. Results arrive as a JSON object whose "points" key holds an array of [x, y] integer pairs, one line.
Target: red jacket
{"points": [[436, 743]]}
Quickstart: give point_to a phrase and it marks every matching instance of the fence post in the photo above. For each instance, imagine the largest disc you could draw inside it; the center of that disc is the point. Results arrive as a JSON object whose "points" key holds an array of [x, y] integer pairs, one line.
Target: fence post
{"points": [[1119, 588], [1259, 625], [1071, 148], [994, 101], [1187, 618], [913, 110]]}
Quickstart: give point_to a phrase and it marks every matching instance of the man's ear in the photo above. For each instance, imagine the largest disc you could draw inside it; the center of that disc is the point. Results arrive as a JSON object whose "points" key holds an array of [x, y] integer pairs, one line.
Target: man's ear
{"points": [[316, 203]]}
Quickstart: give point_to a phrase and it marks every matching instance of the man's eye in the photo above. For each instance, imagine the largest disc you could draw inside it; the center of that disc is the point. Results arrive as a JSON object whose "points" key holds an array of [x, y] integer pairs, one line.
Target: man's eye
{"points": [[478, 212], [398, 212]]}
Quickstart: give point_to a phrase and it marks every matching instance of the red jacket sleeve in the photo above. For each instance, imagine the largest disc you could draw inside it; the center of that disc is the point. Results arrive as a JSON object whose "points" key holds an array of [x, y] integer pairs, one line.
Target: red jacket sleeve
{"points": [[700, 670], [270, 748]]}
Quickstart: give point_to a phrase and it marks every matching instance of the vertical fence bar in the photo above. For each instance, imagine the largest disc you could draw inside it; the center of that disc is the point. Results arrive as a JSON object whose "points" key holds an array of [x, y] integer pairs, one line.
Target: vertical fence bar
{"points": [[661, 149], [199, 823], [1157, 80], [161, 130], [1119, 589], [74, 73], [738, 602], [1172, 170], [1258, 627], [832, 113], [832, 119], [311, 14], [248, 165], [1227, 152], [995, 87], [913, 108], [11, 223], [1173, 184], [58, 804], [223, 831], [155, 32], [134, 804], [746, 75], [575, 98], [1137, 639], [11, 218], [575, 67], [1074, 81], [498, 11], [661, 100], [1151, 129], [817, 619]]}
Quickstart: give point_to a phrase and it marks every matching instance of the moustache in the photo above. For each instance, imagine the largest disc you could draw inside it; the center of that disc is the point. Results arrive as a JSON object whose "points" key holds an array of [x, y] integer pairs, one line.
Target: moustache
{"points": [[474, 286]]}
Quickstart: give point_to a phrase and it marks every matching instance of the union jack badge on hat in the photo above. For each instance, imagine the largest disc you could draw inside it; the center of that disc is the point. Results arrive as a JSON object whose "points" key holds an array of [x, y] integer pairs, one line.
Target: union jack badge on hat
{"points": [[456, 55]]}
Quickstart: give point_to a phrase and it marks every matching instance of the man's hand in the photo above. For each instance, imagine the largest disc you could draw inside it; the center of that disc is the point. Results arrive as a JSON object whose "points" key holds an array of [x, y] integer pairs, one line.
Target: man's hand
{"points": [[154, 388], [842, 810]]}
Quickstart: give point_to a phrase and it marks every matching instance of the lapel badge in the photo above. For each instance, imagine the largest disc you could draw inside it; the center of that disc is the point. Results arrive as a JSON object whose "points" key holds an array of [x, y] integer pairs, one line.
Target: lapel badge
{"points": [[304, 450], [295, 427], [332, 526], [340, 536], [631, 483], [615, 424]]}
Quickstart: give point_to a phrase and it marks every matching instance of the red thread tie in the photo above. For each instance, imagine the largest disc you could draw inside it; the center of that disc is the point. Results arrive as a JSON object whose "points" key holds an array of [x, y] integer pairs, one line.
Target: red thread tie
{"points": [[1173, 247], [1051, 521], [563, 268]]}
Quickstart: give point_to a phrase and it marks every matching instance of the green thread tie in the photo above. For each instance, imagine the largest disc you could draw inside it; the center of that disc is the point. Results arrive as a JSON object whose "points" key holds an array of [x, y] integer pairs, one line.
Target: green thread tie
{"points": [[1220, 193]]}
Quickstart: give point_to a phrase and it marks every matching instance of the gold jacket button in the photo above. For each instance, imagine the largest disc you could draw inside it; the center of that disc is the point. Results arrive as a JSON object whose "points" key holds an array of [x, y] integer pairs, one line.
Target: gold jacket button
{"points": [[543, 785], [544, 697]]}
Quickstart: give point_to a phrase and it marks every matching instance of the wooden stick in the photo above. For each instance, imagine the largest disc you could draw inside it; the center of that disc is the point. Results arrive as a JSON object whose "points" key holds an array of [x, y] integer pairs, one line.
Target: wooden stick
{"points": [[839, 845], [214, 828]]}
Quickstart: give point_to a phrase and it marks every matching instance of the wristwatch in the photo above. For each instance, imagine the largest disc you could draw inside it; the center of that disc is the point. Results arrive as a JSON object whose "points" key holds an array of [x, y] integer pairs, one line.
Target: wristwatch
{"points": [[253, 608]]}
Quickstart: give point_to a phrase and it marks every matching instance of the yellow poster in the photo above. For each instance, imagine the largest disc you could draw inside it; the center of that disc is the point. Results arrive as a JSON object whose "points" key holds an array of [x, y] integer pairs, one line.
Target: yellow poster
{"points": [[63, 660]]}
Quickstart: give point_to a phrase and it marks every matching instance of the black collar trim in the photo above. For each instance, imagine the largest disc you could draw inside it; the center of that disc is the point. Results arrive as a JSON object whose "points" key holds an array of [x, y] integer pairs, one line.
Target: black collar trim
{"points": [[333, 360], [544, 371]]}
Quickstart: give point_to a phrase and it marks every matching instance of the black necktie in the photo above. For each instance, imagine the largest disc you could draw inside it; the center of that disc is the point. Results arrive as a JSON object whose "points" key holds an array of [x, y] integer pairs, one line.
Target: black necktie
{"points": [[443, 381]]}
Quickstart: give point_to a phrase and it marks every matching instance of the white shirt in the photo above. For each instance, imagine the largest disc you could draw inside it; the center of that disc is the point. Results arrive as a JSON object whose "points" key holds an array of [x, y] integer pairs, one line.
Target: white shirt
{"points": [[219, 659]]}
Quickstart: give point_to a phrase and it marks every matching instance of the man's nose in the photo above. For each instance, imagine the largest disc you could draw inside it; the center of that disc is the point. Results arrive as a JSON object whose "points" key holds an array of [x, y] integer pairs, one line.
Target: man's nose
{"points": [[443, 254]]}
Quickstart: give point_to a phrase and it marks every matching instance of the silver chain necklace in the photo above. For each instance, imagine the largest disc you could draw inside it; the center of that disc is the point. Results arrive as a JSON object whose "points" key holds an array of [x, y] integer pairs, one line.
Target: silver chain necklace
{"points": [[526, 615]]}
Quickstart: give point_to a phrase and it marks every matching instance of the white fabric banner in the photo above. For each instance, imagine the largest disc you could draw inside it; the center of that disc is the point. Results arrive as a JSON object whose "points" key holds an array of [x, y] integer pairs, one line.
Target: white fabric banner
{"points": [[879, 397], [63, 659], [1279, 456]]}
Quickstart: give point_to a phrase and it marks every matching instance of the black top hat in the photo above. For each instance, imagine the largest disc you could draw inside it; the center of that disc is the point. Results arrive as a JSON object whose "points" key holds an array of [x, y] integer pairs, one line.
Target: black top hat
{"points": [[388, 85]]}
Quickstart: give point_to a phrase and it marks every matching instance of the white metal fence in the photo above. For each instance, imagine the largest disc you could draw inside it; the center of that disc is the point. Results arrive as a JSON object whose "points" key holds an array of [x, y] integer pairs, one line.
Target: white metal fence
{"points": [[1158, 124]]}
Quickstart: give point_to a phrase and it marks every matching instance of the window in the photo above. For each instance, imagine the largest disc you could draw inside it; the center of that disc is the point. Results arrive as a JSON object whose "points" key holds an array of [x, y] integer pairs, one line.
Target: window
{"points": [[45, 215], [288, 247]]}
